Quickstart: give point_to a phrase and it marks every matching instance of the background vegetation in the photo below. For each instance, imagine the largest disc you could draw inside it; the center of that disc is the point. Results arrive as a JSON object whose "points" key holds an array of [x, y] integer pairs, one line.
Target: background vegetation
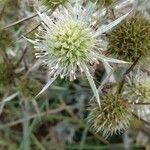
{"points": [[57, 119]]}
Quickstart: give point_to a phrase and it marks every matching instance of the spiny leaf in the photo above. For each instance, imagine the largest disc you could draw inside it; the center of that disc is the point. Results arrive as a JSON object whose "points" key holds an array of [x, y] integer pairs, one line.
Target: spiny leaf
{"points": [[46, 86], [91, 82]]}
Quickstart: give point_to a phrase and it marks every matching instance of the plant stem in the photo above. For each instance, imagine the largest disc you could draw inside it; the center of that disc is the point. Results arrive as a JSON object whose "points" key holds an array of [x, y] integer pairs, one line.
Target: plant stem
{"points": [[122, 82], [140, 103], [144, 121]]}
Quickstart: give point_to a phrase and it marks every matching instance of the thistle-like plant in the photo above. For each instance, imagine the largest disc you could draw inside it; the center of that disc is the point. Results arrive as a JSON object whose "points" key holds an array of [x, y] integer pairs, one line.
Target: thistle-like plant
{"points": [[114, 116], [131, 39], [137, 90], [70, 41]]}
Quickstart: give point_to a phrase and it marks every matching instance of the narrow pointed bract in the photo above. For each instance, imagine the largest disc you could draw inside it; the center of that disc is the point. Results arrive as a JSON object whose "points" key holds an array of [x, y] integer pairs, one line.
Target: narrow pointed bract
{"points": [[71, 37]]}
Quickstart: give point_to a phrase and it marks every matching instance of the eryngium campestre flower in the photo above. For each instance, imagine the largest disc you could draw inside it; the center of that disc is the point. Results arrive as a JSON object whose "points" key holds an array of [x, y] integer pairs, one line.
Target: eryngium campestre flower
{"points": [[137, 90], [70, 40], [103, 2], [113, 117], [131, 39]]}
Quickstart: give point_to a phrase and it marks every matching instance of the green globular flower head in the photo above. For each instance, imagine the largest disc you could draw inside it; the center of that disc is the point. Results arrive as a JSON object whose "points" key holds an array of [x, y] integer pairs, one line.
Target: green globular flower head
{"points": [[131, 39], [12, 8], [113, 117], [69, 41], [5, 39]]}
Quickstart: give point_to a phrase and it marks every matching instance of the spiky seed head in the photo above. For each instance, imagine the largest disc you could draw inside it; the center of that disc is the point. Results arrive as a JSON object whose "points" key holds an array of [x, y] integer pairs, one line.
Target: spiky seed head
{"points": [[113, 117], [131, 39], [137, 91], [28, 87], [68, 41]]}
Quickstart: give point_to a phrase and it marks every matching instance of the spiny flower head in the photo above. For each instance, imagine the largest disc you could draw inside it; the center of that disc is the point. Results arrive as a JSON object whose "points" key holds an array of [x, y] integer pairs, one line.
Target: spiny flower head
{"points": [[137, 91], [28, 86], [70, 41], [72, 37], [113, 117], [131, 39]]}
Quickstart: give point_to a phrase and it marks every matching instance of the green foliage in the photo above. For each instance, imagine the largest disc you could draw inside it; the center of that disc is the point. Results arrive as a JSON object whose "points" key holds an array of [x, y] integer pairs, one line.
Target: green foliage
{"points": [[6, 76], [131, 39], [5, 39], [10, 7], [139, 90], [53, 3], [28, 87]]}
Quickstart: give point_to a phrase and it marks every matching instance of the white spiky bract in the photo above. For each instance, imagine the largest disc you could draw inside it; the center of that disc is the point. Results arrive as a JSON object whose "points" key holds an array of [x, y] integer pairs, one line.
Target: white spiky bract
{"points": [[71, 39]]}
